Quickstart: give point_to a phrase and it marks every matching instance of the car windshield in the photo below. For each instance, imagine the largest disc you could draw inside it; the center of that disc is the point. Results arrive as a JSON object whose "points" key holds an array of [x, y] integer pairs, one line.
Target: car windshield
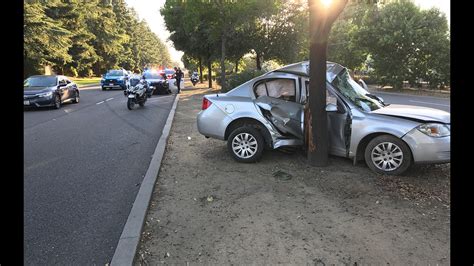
{"points": [[40, 82], [153, 75], [354, 92], [115, 73], [169, 72]]}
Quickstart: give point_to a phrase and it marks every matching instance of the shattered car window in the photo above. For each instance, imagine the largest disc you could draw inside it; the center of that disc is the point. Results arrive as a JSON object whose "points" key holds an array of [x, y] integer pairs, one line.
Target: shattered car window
{"points": [[354, 92]]}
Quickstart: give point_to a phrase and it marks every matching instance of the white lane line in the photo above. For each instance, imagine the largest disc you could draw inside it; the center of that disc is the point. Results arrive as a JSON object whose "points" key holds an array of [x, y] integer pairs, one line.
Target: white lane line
{"points": [[100, 102], [430, 103], [108, 99]]}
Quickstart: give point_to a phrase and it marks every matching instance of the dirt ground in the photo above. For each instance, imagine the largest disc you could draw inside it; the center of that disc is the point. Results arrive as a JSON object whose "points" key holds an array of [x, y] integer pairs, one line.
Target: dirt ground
{"points": [[209, 209]]}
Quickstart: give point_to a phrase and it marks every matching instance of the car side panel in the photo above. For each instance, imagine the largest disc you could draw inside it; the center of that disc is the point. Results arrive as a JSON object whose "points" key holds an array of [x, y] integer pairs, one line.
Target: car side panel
{"points": [[366, 124], [426, 149], [212, 122], [224, 109]]}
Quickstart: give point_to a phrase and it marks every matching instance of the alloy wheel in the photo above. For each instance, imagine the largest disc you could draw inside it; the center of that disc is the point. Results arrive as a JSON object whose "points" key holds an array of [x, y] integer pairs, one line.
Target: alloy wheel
{"points": [[244, 145], [387, 156]]}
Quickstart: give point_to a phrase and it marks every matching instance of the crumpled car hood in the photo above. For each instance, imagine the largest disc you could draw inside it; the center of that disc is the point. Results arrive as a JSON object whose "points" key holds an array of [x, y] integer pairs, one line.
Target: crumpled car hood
{"points": [[415, 112]]}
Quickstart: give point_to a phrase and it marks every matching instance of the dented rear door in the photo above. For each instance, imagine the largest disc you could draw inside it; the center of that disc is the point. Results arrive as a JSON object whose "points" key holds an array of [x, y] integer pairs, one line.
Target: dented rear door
{"points": [[278, 98]]}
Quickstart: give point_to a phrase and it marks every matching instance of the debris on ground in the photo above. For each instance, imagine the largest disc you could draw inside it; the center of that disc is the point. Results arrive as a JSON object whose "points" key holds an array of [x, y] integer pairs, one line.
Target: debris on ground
{"points": [[282, 175]]}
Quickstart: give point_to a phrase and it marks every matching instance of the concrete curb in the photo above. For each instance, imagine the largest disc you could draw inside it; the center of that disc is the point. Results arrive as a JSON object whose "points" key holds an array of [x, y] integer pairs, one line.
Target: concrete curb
{"points": [[130, 238]]}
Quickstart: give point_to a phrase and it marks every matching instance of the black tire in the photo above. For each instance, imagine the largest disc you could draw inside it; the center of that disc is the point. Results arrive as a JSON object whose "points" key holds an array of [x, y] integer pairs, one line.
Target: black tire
{"points": [[76, 98], [242, 154], [130, 104], [393, 151], [57, 101], [103, 88]]}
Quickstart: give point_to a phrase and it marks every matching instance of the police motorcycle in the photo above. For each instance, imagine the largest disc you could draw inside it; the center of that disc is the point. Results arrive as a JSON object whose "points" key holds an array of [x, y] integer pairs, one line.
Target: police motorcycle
{"points": [[137, 93], [194, 78]]}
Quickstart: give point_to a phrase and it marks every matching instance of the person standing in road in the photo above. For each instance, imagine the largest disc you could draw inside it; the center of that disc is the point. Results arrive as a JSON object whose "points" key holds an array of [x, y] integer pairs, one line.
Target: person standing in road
{"points": [[178, 74]]}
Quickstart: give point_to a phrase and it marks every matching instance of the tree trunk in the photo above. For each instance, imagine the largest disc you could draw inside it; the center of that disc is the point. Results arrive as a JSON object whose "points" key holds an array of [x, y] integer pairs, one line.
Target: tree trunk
{"points": [[223, 61], [237, 65], [259, 66], [317, 145], [200, 69], [316, 127], [209, 69]]}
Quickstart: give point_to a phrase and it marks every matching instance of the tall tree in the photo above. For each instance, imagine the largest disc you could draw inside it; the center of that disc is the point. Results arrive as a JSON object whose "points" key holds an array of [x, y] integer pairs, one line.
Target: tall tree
{"points": [[46, 41], [321, 19], [407, 43]]}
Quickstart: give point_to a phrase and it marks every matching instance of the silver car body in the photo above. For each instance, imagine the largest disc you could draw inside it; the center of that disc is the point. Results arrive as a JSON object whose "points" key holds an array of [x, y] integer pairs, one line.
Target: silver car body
{"points": [[350, 128]]}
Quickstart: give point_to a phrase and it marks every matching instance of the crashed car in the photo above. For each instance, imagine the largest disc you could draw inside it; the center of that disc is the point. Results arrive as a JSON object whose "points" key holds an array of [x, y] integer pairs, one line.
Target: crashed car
{"points": [[268, 112]]}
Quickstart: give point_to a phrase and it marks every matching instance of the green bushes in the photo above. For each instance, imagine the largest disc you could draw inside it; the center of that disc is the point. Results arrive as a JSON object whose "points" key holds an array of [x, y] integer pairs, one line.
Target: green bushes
{"points": [[236, 79]]}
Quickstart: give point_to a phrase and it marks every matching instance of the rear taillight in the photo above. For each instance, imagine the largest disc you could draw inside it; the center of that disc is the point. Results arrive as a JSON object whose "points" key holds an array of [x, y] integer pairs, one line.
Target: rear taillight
{"points": [[205, 103]]}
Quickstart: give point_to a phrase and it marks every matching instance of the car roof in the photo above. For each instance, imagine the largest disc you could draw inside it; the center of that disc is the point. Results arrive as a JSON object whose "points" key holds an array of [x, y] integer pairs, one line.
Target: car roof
{"points": [[302, 69], [44, 76]]}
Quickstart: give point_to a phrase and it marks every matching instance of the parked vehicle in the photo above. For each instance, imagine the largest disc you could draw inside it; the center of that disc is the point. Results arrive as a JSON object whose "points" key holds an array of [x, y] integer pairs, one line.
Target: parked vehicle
{"points": [[115, 79], [136, 94], [169, 73], [194, 78], [268, 111], [49, 90], [157, 82]]}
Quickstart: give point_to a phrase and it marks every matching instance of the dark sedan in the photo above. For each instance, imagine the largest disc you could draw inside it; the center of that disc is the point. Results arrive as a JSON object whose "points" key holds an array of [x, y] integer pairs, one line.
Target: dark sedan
{"points": [[49, 90], [157, 82]]}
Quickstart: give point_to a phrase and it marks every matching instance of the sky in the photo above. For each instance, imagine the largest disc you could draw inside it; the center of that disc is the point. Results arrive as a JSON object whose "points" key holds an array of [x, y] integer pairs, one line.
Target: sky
{"points": [[150, 11]]}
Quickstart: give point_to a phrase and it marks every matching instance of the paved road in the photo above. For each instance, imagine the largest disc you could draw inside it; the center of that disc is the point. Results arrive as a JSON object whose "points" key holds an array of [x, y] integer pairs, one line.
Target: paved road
{"points": [[83, 165], [427, 101]]}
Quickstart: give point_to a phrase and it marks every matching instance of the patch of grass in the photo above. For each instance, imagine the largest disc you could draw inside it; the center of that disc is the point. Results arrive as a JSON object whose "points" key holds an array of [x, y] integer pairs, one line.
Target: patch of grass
{"points": [[81, 82]]}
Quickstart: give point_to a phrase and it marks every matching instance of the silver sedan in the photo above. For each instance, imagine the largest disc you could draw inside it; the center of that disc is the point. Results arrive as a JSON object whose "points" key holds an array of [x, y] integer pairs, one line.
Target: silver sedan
{"points": [[268, 112]]}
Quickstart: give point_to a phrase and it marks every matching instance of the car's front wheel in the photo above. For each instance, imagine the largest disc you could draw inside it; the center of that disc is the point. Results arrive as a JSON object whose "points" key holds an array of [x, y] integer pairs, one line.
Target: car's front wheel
{"points": [[388, 155], [76, 97], [57, 101], [246, 144]]}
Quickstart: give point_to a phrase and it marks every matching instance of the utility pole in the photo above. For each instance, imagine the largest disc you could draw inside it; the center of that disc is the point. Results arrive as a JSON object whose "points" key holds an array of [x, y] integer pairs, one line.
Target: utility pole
{"points": [[322, 14]]}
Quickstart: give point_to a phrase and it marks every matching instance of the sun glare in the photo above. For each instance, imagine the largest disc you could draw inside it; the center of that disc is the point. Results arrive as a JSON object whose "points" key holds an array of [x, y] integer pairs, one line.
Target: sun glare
{"points": [[326, 3]]}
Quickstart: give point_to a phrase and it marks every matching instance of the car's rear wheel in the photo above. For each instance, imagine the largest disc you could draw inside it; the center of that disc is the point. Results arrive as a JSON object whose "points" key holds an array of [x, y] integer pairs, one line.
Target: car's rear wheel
{"points": [[388, 155], [57, 101], [246, 144]]}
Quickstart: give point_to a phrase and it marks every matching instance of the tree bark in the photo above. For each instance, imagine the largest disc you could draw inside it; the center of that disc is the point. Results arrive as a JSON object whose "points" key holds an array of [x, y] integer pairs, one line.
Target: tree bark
{"points": [[237, 65], [223, 40], [209, 69], [200, 69], [259, 66], [316, 128]]}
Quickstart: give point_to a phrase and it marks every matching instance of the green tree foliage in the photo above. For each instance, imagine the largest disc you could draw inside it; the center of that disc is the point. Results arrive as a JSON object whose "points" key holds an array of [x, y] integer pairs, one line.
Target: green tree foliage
{"points": [[344, 41], [395, 39], [280, 32], [46, 41], [84, 38], [407, 43]]}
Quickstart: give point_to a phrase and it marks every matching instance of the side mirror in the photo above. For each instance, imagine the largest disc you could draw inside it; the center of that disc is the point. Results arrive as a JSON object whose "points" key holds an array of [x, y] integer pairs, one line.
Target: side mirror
{"points": [[330, 107]]}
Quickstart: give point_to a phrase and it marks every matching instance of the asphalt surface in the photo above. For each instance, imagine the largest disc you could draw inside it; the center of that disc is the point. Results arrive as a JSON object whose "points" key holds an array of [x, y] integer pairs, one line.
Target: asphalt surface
{"points": [[426, 101], [83, 165]]}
